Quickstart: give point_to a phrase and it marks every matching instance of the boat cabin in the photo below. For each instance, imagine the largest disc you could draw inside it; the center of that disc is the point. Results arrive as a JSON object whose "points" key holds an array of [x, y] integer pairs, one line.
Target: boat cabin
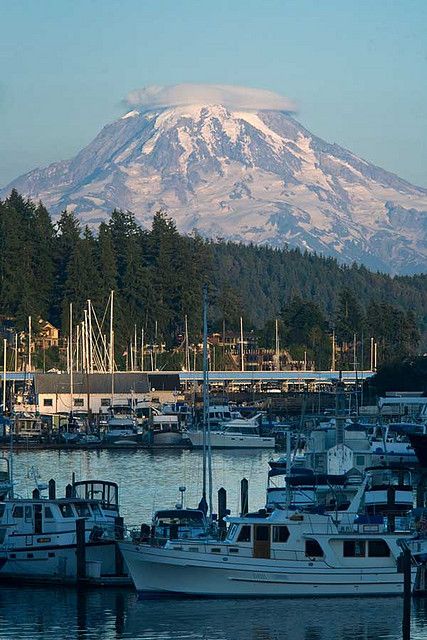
{"points": [[177, 524]]}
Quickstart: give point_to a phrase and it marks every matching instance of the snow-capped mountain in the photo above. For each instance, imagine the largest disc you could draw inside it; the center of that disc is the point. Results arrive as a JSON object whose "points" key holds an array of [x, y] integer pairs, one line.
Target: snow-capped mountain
{"points": [[247, 175]]}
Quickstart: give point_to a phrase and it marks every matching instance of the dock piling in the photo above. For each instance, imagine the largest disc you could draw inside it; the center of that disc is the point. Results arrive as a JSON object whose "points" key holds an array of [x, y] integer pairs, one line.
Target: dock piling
{"points": [[407, 594], [52, 489], [119, 535], [81, 548], [244, 496], [222, 508]]}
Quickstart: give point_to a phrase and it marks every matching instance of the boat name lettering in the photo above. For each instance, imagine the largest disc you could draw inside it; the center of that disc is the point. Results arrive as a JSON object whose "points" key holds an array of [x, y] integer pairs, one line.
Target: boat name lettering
{"points": [[257, 575]]}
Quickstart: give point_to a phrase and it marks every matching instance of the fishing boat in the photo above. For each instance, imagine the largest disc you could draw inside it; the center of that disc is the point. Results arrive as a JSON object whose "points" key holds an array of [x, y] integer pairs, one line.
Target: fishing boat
{"points": [[60, 539], [283, 552]]}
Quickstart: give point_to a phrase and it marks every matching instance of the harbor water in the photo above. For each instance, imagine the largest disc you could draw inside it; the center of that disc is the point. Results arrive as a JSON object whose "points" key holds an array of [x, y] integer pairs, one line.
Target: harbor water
{"points": [[149, 480]]}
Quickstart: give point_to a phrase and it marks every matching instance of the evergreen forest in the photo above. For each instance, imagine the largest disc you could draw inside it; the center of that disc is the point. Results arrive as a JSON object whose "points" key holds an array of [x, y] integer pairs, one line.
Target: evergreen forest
{"points": [[158, 274]]}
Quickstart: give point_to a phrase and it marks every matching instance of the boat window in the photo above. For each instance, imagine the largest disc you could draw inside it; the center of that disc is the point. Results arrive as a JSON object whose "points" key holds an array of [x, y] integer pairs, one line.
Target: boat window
{"points": [[313, 549], [2, 509], [245, 534], [360, 461], [378, 549], [96, 510], [83, 510], [2, 535], [18, 512], [28, 513], [262, 533], [280, 534], [66, 510], [232, 531], [354, 548], [48, 513]]}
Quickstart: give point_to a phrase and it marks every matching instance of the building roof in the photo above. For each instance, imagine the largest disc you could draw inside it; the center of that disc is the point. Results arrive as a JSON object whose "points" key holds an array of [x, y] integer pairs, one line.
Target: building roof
{"points": [[169, 381], [93, 383]]}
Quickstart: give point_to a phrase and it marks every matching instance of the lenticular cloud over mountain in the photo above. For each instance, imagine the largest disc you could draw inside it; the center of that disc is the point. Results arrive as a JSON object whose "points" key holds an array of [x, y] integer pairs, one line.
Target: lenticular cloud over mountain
{"points": [[233, 162], [229, 96]]}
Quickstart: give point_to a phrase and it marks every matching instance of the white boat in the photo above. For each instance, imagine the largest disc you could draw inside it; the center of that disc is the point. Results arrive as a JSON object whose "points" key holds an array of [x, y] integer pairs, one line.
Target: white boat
{"points": [[165, 430], [235, 434], [38, 536], [122, 431], [281, 553]]}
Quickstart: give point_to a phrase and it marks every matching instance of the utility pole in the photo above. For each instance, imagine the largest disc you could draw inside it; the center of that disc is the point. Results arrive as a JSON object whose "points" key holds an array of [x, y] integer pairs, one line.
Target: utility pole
{"points": [[242, 355], [333, 365], [277, 346], [354, 352]]}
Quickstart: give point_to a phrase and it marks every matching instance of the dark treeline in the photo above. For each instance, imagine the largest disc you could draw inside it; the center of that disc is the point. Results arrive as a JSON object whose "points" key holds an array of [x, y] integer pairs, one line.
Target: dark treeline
{"points": [[158, 274]]}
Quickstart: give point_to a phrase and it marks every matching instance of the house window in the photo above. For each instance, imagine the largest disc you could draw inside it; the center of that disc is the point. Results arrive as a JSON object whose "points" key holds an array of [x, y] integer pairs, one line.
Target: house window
{"points": [[354, 548], [313, 549], [245, 534], [280, 534], [78, 402], [47, 402], [105, 402], [378, 549]]}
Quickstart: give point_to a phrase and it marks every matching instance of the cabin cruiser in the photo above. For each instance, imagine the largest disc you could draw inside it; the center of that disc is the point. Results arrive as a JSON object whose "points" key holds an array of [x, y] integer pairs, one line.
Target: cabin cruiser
{"points": [[283, 552], [38, 536], [166, 431], [239, 433], [220, 413], [122, 427]]}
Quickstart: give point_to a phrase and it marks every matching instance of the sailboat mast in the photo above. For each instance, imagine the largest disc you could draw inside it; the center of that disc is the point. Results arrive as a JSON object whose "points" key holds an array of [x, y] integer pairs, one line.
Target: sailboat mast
{"points": [[207, 464], [71, 359], [4, 374]]}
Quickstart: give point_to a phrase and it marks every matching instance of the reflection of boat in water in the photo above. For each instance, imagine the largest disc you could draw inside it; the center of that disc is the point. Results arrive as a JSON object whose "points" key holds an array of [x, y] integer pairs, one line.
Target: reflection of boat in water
{"points": [[113, 613]]}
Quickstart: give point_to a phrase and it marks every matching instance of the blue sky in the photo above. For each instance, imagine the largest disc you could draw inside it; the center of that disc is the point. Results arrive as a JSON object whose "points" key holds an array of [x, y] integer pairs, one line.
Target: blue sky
{"points": [[356, 68]]}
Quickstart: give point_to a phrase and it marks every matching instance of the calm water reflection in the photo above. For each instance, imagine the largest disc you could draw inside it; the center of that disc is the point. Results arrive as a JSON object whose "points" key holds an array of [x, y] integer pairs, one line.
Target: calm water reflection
{"points": [[45, 614], [150, 480]]}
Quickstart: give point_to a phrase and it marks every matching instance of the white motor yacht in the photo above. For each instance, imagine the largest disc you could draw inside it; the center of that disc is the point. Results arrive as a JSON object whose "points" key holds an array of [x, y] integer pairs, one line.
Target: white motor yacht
{"points": [[240, 433], [280, 553]]}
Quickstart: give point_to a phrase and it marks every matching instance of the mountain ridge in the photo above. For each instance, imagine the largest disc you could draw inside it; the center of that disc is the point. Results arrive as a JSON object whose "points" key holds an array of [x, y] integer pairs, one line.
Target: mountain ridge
{"points": [[246, 175]]}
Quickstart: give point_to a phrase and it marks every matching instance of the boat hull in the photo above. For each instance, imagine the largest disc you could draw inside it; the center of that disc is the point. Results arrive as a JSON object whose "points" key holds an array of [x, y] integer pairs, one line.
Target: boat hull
{"points": [[57, 563], [159, 572]]}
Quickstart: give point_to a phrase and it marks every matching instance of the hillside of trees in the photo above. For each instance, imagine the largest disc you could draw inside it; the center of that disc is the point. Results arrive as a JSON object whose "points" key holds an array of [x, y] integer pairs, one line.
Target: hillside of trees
{"points": [[157, 275]]}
